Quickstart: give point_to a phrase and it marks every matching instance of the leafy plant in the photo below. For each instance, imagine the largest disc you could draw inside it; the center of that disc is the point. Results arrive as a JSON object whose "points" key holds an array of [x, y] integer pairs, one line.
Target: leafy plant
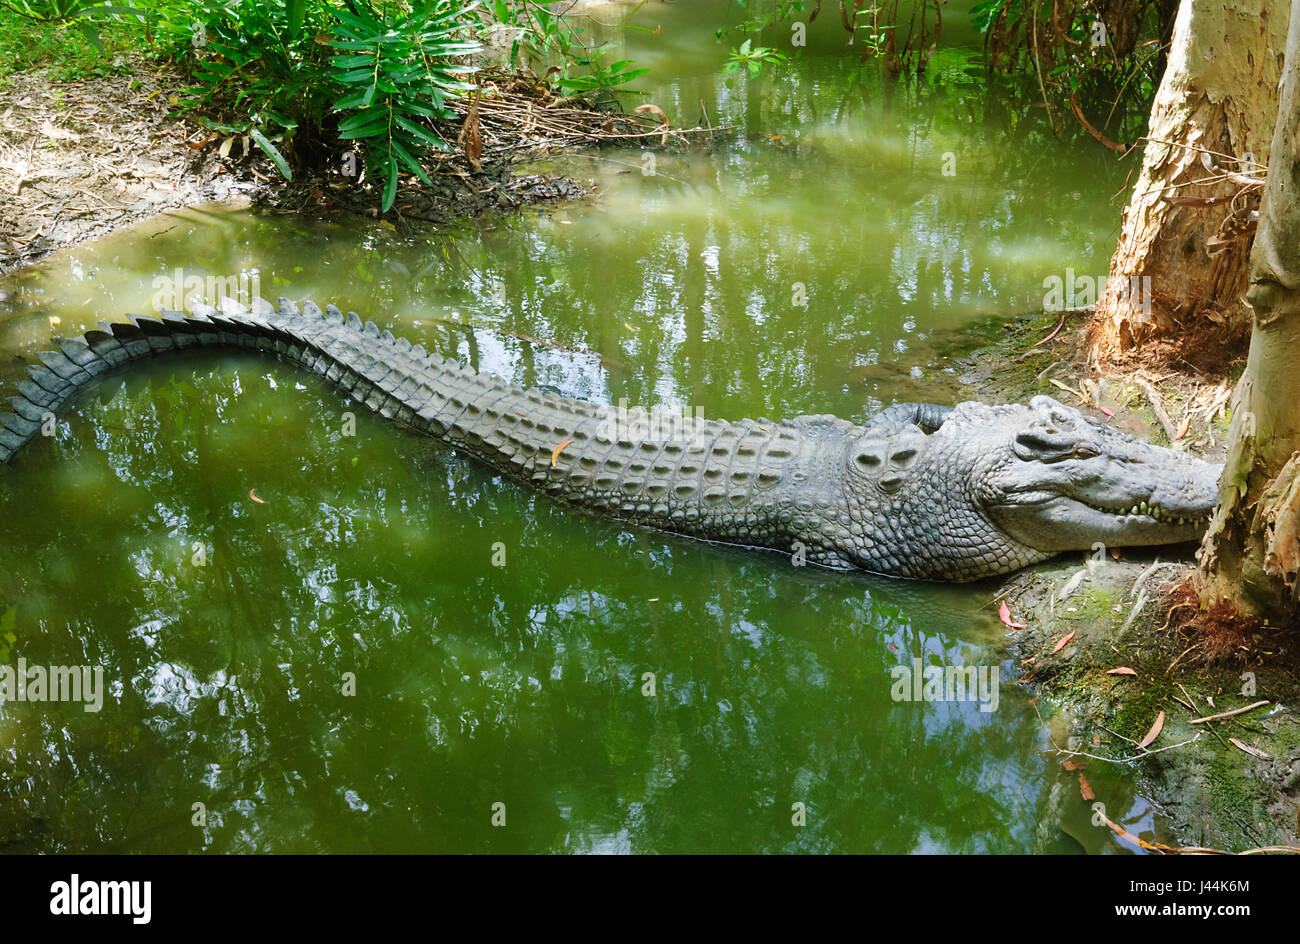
{"points": [[751, 58], [396, 72], [61, 11], [600, 77], [542, 35], [259, 60]]}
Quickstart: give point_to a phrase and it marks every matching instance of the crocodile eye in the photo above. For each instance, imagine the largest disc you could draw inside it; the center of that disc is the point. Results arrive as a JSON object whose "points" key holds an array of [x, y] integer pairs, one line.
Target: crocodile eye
{"points": [[1084, 451], [1036, 443]]}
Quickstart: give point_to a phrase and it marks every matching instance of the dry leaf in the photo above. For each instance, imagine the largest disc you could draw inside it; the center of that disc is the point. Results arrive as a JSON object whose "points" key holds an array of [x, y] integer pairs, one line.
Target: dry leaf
{"points": [[1085, 788], [656, 112], [1073, 765], [1070, 390], [58, 134], [1154, 732], [1252, 751], [1122, 670], [253, 495], [1063, 641], [471, 138], [1004, 614], [1182, 430], [555, 453], [1125, 834], [648, 109]]}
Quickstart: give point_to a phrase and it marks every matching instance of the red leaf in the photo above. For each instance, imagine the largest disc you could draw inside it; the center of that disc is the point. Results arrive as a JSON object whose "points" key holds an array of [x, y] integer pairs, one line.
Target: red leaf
{"points": [[1061, 643], [1004, 614]]}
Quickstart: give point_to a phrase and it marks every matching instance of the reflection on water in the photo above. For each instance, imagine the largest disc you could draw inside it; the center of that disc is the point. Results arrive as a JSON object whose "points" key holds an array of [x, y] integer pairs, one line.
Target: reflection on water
{"points": [[347, 663]]}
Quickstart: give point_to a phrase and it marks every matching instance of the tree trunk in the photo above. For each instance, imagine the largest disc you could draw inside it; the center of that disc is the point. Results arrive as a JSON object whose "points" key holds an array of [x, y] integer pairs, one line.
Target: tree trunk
{"points": [[1219, 93], [1250, 557]]}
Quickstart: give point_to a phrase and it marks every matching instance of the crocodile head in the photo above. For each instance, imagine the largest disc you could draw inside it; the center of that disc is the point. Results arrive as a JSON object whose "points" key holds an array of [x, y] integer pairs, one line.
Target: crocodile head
{"points": [[1061, 481], [997, 487]]}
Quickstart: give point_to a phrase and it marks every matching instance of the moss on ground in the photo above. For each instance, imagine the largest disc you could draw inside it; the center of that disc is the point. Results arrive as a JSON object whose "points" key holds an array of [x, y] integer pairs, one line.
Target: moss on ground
{"points": [[1208, 791]]}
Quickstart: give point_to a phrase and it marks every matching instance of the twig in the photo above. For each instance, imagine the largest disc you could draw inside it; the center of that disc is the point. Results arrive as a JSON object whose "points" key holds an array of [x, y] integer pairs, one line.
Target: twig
{"points": [[1038, 68], [1229, 714], [1132, 614], [1127, 760], [1154, 396], [1087, 126]]}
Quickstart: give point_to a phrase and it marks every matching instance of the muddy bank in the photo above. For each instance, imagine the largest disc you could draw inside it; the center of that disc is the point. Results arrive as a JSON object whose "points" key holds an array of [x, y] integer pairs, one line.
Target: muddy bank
{"points": [[81, 159], [1103, 641]]}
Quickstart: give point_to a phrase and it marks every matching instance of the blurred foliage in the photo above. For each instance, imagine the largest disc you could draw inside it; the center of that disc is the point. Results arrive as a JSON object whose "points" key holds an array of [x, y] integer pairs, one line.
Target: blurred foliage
{"points": [[1105, 56]]}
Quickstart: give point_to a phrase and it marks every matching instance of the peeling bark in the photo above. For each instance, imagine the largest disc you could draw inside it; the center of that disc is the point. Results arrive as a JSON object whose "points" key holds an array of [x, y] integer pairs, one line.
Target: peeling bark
{"points": [[1219, 93], [1250, 556]]}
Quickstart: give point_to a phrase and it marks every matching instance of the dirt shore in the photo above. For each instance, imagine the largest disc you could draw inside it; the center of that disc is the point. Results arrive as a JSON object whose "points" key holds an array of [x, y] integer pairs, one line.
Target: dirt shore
{"points": [[81, 159], [1102, 641]]}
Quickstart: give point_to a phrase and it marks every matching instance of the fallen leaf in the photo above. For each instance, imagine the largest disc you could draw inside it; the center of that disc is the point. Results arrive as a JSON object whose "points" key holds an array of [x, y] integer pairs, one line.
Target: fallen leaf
{"points": [[1073, 765], [1122, 670], [1055, 332], [253, 496], [1085, 788], [1125, 834], [630, 327], [58, 134], [1110, 413], [1252, 751], [555, 453], [1070, 390], [1154, 732], [1182, 430], [471, 138], [1004, 614], [649, 109], [1063, 641]]}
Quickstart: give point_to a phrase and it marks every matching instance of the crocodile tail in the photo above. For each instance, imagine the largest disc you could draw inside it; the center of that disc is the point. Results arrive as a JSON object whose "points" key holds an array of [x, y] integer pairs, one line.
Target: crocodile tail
{"points": [[388, 374]]}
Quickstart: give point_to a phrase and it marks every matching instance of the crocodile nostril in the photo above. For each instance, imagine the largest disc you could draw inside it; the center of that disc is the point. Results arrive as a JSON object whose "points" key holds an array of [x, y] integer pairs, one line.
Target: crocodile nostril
{"points": [[903, 458]]}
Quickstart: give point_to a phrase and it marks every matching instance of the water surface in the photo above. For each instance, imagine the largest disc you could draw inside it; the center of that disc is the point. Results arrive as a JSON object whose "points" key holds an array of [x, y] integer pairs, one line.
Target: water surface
{"points": [[387, 641]]}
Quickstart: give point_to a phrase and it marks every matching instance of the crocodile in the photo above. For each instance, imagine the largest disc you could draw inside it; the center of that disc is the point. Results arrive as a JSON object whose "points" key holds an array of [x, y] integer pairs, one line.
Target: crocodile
{"points": [[918, 490]]}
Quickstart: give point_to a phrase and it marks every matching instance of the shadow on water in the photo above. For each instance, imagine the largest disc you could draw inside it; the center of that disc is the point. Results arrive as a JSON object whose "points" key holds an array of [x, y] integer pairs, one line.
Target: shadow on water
{"points": [[387, 640]]}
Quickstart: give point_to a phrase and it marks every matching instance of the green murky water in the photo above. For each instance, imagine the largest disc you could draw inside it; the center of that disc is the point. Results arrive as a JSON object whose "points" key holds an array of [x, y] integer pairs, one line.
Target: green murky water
{"points": [[350, 665]]}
